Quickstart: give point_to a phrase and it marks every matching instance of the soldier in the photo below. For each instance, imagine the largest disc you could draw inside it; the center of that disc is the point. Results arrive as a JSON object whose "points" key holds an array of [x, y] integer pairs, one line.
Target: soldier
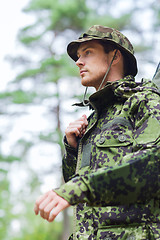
{"points": [[112, 159]]}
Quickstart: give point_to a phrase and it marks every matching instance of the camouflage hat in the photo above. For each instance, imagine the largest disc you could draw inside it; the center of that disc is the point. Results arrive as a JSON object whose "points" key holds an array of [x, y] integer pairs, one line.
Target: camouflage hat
{"points": [[110, 35]]}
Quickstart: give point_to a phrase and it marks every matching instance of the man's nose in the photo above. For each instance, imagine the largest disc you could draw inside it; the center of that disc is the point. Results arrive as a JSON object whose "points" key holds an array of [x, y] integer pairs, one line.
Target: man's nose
{"points": [[79, 62]]}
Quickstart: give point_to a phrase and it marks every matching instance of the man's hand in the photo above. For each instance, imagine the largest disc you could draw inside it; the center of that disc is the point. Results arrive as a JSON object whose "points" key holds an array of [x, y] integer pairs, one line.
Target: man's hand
{"points": [[50, 205], [76, 129]]}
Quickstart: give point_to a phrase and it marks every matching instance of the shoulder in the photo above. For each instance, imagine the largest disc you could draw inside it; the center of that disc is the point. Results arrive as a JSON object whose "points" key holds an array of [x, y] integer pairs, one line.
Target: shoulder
{"points": [[146, 90], [144, 99]]}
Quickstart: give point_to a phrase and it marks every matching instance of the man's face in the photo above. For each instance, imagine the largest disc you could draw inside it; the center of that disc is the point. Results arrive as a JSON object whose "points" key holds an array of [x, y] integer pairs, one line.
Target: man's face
{"points": [[93, 63]]}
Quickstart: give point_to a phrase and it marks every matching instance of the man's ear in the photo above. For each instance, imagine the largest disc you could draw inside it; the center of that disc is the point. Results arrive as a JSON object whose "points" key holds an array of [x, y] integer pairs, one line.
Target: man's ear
{"points": [[117, 57]]}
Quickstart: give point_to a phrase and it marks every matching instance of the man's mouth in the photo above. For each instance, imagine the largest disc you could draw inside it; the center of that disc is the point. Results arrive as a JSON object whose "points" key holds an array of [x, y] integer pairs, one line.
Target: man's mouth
{"points": [[82, 72]]}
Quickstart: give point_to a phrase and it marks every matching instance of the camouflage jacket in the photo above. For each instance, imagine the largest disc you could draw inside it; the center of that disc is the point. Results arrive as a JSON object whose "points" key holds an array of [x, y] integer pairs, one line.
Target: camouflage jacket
{"points": [[113, 176]]}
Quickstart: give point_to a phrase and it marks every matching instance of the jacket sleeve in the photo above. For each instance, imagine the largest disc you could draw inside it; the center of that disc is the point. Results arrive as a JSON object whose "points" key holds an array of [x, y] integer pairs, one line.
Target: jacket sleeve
{"points": [[69, 161], [136, 180]]}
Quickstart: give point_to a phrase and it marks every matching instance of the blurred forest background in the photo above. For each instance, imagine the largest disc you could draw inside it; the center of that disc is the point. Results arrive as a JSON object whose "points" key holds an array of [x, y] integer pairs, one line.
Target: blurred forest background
{"points": [[36, 107]]}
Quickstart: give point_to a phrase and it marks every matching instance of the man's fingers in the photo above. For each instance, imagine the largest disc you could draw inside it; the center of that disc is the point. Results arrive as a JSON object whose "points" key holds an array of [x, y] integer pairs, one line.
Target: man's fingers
{"points": [[85, 119], [43, 205], [49, 208], [36, 210], [76, 129], [49, 205], [56, 211], [45, 202], [77, 126], [38, 202]]}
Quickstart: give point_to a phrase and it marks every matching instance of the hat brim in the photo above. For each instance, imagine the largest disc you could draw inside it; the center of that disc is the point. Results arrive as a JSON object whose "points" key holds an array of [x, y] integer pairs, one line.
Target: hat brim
{"points": [[130, 58]]}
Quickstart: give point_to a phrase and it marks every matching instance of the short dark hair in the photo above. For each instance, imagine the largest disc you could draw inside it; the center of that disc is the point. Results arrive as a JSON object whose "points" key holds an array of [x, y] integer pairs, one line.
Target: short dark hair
{"points": [[110, 47]]}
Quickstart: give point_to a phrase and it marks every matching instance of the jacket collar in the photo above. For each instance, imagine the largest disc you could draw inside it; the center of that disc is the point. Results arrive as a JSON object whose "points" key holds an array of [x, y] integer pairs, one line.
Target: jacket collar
{"points": [[109, 93]]}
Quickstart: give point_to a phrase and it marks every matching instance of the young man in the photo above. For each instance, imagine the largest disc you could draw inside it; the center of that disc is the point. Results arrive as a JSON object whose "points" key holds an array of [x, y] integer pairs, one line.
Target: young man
{"points": [[112, 160]]}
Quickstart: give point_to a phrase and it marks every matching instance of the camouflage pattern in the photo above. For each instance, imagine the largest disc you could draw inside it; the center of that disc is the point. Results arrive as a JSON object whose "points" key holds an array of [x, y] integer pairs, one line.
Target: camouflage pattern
{"points": [[156, 77], [109, 35], [113, 176]]}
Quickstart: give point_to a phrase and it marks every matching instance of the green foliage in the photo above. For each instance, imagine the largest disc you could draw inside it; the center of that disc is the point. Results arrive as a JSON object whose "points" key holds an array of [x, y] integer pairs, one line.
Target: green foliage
{"points": [[9, 158], [30, 34], [37, 5], [51, 69], [110, 21], [69, 14], [29, 39], [29, 73], [36, 228], [48, 137], [19, 96], [142, 48], [5, 206], [62, 14], [44, 232], [55, 137]]}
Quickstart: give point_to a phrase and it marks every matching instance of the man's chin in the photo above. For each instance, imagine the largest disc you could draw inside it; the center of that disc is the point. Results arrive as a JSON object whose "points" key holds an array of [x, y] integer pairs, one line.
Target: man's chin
{"points": [[86, 83]]}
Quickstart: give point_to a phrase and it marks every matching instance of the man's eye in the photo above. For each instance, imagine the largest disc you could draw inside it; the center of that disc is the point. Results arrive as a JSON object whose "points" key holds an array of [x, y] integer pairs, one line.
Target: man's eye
{"points": [[88, 52]]}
